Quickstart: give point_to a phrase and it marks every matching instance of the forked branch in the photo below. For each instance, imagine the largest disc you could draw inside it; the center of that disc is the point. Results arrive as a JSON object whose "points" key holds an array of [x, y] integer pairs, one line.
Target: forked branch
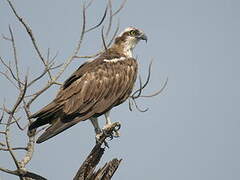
{"points": [[87, 169], [10, 117], [138, 93]]}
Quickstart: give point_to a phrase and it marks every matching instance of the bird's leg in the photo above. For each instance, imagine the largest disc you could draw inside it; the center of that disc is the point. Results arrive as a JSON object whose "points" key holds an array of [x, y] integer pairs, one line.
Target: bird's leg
{"points": [[98, 131], [109, 125], [97, 128]]}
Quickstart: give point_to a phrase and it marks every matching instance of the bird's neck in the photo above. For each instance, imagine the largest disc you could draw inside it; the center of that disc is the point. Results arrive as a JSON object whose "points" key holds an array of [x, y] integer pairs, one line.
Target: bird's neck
{"points": [[124, 49]]}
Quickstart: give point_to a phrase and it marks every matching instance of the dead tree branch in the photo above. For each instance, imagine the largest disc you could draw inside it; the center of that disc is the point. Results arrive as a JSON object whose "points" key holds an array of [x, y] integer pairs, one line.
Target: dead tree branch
{"points": [[138, 93], [13, 73], [87, 169]]}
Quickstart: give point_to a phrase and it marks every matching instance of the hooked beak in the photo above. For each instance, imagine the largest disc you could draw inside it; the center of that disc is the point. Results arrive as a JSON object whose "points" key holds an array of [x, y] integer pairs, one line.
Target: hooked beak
{"points": [[143, 37]]}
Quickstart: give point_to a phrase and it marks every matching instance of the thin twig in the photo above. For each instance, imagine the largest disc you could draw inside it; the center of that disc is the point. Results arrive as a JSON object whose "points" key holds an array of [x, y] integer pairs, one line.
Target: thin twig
{"points": [[67, 62], [12, 122], [140, 89], [8, 67], [16, 148], [146, 82], [2, 116], [114, 34], [29, 31], [9, 79], [9, 171], [138, 108], [138, 93], [96, 26], [15, 58], [87, 57], [158, 92], [120, 8], [89, 4], [6, 38], [103, 40], [7, 130], [2, 144], [110, 18]]}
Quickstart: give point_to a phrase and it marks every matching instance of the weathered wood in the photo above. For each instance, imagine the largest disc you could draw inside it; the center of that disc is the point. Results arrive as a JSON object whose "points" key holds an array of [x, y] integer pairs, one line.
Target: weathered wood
{"points": [[87, 169]]}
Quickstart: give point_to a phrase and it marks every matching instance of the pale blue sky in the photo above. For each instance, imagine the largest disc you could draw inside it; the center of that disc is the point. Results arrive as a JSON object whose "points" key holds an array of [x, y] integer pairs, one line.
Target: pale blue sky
{"points": [[191, 131]]}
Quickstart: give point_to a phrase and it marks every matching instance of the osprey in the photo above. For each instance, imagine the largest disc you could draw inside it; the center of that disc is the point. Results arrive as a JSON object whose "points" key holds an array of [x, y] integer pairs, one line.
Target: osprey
{"points": [[93, 89]]}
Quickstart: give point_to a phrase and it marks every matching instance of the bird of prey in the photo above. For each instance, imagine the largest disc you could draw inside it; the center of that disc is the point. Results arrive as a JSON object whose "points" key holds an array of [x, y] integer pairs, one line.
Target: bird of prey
{"points": [[94, 88]]}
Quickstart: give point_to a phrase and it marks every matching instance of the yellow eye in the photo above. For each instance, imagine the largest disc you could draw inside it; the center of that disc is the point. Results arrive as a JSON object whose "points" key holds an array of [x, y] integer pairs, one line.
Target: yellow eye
{"points": [[133, 33]]}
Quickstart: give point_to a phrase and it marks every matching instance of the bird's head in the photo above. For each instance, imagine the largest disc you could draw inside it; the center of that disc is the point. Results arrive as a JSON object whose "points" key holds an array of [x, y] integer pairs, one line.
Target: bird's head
{"points": [[128, 39]]}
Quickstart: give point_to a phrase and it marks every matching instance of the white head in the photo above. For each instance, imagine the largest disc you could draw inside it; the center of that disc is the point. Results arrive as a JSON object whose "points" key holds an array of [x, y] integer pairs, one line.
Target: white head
{"points": [[128, 39]]}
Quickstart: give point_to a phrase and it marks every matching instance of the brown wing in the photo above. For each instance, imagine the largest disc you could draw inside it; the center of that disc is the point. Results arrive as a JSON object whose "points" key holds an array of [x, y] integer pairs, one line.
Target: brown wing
{"points": [[92, 90]]}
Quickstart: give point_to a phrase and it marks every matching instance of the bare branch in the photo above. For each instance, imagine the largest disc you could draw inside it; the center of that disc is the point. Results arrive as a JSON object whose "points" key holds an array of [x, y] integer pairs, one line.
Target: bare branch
{"points": [[6, 38], [103, 40], [2, 144], [29, 31], [27, 174], [15, 58], [138, 93], [108, 170], [16, 148], [87, 57], [43, 73], [99, 24], [21, 96], [2, 116], [89, 4], [8, 78], [130, 104], [23, 102], [120, 8], [139, 109], [86, 171], [12, 122], [9, 171], [8, 67], [30, 149], [65, 65], [147, 81], [7, 130], [114, 34], [158, 92], [110, 18], [69, 60], [18, 125]]}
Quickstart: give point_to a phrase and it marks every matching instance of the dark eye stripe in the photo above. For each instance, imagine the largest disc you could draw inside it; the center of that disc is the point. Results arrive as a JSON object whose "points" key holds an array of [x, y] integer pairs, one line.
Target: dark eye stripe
{"points": [[134, 33]]}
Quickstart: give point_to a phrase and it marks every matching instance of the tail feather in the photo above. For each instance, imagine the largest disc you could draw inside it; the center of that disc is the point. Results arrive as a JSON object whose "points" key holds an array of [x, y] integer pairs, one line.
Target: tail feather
{"points": [[45, 111], [53, 130], [39, 122], [59, 125], [46, 115]]}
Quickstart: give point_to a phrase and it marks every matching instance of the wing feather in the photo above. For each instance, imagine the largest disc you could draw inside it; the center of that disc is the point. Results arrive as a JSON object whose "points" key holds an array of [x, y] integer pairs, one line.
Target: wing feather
{"points": [[93, 89]]}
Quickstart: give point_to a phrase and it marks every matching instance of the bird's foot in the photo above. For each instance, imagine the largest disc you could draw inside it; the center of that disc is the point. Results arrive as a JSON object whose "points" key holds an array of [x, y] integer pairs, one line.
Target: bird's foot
{"points": [[112, 130], [99, 141], [108, 131]]}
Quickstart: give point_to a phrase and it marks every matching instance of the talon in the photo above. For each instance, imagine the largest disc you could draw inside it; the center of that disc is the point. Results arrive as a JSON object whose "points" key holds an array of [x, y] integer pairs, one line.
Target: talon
{"points": [[110, 136], [116, 134], [105, 133], [106, 144], [118, 126]]}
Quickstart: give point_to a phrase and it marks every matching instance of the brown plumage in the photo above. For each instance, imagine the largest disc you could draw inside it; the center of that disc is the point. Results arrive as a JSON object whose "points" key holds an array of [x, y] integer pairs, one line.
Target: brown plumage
{"points": [[93, 89]]}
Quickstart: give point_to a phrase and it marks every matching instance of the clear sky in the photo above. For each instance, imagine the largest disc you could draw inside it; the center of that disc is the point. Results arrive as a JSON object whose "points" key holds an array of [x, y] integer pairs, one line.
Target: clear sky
{"points": [[191, 131]]}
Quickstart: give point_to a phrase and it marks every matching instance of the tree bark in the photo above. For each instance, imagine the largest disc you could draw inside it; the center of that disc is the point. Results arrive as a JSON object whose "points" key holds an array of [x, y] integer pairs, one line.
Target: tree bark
{"points": [[87, 169]]}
